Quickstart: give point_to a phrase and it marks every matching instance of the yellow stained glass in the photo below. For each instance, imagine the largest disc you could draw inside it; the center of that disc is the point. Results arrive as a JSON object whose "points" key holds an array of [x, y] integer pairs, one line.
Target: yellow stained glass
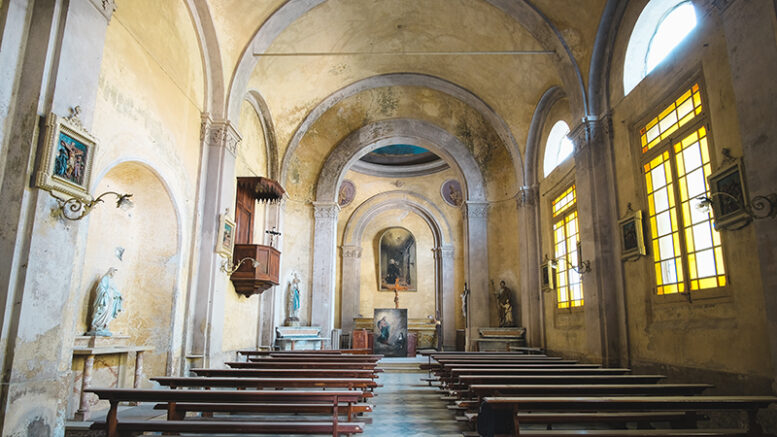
{"points": [[565, 239], [663, 223], [564, 201], [674, 116]]}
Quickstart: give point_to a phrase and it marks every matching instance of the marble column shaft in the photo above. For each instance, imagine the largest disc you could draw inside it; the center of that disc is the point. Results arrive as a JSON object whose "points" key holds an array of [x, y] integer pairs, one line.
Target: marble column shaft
{"points": [[476, 255], [529, 258], [351, 296]]}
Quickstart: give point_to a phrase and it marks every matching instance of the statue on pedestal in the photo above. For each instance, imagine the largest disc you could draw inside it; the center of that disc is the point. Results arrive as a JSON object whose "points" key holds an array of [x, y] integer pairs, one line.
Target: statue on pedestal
{"points": [[106, 307], [504, 303], [293, 302]]}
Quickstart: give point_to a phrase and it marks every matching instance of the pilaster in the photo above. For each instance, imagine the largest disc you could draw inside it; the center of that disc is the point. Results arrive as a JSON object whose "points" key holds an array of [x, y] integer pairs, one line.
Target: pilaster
{"points": [[527, 202], [476, 256], [446, 295], [39, 42], [603, 286], [219, 143], [324, 256], [351, 296]]}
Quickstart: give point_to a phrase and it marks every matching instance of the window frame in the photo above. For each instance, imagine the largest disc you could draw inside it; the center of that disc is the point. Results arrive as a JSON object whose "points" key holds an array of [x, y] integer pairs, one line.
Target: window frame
{"points": [[701, 120], [559, 188]]}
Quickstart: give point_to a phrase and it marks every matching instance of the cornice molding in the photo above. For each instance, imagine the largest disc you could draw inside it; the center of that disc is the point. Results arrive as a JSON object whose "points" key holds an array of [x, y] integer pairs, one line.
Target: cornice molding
{"points": [[219, 133]]}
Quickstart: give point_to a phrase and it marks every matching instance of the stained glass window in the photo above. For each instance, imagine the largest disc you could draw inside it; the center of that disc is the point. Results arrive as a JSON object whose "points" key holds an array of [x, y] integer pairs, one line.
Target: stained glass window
{"points": [[687, 252], [566, 236]]}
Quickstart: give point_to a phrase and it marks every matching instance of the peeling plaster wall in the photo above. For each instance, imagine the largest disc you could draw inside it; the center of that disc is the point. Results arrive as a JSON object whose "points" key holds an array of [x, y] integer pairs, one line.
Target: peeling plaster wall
{"points": [[723, 332]]}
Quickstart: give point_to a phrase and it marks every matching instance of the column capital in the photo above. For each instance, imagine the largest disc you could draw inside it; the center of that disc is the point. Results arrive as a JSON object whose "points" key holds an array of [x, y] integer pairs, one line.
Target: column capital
{"points": [[105, 7], [325, 210], [475, 209], [219, 133], [527, 196], [351, 251], [591, 130], [718, 6]]}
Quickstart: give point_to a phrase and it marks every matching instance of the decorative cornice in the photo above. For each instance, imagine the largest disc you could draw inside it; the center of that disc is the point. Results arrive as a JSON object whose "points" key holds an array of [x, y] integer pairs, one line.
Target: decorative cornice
{"points": [[351, 251], [106, 7], [527, 196], [219, 134], [476, 209], [325, 210]]}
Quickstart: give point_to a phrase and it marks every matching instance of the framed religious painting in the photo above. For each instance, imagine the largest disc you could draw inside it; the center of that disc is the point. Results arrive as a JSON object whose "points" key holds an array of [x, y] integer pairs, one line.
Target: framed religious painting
{"points": [[226, 239], [548, 271], [632, 236], [728, 196], [66, 160], [397, 261]]}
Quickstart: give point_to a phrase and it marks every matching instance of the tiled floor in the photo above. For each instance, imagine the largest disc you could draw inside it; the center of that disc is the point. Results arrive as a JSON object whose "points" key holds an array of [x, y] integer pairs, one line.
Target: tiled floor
{"points": [[408, 407]]}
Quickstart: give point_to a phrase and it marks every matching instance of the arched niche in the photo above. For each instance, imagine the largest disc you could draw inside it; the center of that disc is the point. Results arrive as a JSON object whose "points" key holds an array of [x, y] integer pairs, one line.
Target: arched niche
{"points": [[475, 209], [143, 244], [354, 236]]}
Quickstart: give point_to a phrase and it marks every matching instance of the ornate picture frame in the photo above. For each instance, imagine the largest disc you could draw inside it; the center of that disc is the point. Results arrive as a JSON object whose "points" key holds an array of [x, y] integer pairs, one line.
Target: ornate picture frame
{"points": [[397, 266], [66, 160], [728, 196], [226, 239], [548, 271], [632, 236]]}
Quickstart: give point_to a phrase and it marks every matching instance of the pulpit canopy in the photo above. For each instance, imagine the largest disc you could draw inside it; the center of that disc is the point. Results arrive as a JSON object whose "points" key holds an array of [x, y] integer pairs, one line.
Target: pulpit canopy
{"points": [[262, 189]]}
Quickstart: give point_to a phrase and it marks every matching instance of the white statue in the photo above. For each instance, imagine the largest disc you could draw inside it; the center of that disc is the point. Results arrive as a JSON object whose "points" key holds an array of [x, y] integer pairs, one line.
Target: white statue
{"points": [[107, 305], [293, 302]]}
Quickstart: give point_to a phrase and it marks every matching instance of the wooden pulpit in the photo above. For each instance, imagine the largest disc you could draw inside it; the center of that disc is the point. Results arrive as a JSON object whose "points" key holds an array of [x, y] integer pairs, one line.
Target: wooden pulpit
{"points": [[253, 278]]}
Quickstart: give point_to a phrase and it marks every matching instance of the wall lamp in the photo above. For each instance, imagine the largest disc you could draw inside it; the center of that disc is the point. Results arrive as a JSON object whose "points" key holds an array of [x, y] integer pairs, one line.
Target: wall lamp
{"points": [[724, 205], [582, 268], [75, 208], [228, 267]]}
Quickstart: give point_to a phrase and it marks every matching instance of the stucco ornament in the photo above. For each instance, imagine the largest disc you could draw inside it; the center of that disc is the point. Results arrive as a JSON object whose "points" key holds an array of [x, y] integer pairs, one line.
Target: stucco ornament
{"points": [[107, 305], [293, 302]]}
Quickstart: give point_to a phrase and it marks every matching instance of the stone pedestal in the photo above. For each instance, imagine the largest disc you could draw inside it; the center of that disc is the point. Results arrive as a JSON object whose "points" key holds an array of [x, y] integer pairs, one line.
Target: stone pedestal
{"points": [[289, 338]]}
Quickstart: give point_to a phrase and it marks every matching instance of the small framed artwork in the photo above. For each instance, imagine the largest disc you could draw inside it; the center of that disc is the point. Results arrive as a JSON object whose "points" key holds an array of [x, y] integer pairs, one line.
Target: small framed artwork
{"points": [[632, 236], [226, 239], [728, 196], [548, 271], [66, 160]]}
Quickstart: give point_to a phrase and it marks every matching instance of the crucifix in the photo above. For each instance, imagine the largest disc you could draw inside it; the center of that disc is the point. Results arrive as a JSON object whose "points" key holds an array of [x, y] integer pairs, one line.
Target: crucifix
{"points": [[397, 288]]}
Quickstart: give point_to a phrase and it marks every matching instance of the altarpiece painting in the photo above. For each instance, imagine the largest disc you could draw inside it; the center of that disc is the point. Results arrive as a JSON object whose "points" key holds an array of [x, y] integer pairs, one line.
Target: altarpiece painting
{"points": [[397, 260]]}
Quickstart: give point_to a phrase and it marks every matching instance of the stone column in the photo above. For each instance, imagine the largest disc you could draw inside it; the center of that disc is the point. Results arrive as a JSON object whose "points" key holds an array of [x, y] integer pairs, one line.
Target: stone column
{"points": [[750, 32], [324, 253], [476, 256], [597, 213], [351, 280], [40, 41], [532, 311], [219, 142], [446, 294]]}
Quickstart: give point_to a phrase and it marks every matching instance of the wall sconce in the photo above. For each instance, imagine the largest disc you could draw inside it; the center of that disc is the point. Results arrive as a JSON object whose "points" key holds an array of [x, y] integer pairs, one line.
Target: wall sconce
{"points": [[759, 207], [229, 268], [76, 208], [582, 268]]}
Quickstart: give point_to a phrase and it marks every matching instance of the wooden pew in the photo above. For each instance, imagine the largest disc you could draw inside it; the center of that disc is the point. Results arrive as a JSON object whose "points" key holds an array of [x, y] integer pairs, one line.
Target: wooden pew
{"points": [[242, 382], [273, 364], [289, 373], [251, 352], [314, 358], [523, 404], [175, 423]]}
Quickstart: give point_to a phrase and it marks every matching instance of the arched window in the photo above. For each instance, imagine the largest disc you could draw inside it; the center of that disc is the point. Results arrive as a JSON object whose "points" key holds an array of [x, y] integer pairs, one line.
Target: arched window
{"points": [[558, 147], [661, 26]]}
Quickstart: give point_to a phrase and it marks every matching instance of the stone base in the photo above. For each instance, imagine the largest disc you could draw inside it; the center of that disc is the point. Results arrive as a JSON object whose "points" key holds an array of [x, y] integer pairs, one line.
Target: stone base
{"points": [[292, 321]]}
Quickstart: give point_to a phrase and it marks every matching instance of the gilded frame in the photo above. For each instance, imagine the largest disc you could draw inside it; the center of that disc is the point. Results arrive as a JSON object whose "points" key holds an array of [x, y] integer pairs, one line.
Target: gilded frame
{"points": [[226, 239], [66, 160], [548, 271]]}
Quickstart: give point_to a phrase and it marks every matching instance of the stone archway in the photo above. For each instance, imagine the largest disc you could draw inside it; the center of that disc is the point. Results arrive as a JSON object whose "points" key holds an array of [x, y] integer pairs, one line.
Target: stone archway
{"points": [[361, 142], [443, 256]]}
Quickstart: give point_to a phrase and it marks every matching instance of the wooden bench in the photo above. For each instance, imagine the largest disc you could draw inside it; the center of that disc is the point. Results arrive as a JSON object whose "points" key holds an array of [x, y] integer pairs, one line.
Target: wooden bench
{"points": [[749, 404], [241, 382], [290, 373], [175, 422], [273, 364]]}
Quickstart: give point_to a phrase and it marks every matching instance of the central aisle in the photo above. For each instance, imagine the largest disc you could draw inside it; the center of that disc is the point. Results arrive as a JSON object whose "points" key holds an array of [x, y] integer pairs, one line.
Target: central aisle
{"points": [[408, 407]]}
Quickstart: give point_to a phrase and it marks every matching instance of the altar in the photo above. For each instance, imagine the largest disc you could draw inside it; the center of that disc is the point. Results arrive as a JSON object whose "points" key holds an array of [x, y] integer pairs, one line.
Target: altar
{"points": [[290, 338], [425, 330]]}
